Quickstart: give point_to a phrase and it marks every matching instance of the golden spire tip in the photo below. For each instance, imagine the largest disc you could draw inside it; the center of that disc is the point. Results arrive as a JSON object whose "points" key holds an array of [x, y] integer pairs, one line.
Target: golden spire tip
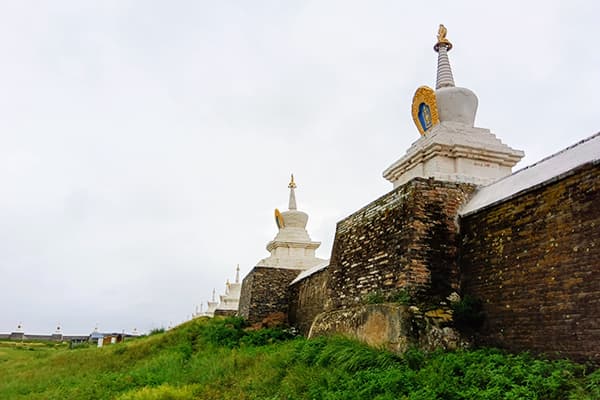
{"points": [[441, 39], [292, 184]]}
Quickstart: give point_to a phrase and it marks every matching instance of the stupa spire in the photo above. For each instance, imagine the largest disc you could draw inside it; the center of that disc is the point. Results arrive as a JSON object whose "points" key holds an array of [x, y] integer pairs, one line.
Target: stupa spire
{"points": [[292, 186], [444, 71]]}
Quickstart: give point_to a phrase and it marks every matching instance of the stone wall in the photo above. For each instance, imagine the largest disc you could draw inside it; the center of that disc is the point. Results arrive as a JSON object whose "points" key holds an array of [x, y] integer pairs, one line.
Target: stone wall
{"points": [[534, 261], [17, 336], [407, 239], [265, 291], [308, 300], [225, 313]]}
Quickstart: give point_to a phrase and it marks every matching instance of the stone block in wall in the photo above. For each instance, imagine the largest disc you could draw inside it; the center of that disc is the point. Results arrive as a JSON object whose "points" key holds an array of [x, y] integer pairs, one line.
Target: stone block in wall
{"points": [[17, 336], [392, 326], [225, 313], [534, 262], [405, 240], [265, 291]]}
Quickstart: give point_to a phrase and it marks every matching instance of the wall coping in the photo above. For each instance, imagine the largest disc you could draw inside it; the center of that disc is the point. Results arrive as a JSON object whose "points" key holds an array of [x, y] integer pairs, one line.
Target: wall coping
{"points": [[305, 274], [543, 172]]}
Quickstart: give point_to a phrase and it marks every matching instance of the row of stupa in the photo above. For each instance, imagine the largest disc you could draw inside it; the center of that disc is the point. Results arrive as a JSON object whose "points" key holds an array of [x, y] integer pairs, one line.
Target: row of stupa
{"points": [[292, 248], [227, 303], [450, 149]]}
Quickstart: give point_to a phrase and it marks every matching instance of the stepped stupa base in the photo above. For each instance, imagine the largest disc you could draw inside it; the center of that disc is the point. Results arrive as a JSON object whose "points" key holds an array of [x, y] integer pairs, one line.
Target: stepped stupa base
{"points": [[455, 152]]}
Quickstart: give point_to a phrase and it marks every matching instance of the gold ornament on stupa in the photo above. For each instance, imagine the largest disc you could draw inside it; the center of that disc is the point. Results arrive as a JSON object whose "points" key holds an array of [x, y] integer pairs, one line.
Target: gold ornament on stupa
{"points": [[441, 39], [424, 109], [292, 184], [279, 219]]}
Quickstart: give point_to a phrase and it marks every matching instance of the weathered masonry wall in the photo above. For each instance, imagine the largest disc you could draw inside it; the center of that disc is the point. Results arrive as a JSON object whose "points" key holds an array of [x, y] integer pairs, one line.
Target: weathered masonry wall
{"points": [[226, 313], [393, 326], [265, 291], [307, 300], [406, 239], [534, 261]]}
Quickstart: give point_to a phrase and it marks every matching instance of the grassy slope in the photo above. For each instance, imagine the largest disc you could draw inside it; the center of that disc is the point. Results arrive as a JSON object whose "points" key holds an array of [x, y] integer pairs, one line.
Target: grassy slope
{"points": [[218, 360]]}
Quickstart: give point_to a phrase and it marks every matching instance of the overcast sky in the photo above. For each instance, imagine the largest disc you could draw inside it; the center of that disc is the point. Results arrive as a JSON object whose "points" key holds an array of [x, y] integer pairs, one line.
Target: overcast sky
{"points": [[145, 144]]}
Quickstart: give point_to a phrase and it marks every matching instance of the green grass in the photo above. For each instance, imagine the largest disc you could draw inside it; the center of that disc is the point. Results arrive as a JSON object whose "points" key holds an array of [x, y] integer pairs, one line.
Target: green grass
{"points": [[218, 359]]}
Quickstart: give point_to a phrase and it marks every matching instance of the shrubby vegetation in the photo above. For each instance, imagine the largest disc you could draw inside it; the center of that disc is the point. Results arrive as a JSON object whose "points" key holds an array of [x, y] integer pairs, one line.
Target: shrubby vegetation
{"points": [[156, 331], [468, 313], [400, 296], [223, 359]]}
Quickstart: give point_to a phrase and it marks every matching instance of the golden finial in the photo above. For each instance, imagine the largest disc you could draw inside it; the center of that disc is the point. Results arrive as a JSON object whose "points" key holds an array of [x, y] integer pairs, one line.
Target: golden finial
{"points": [[292, 184], [441, 37]]}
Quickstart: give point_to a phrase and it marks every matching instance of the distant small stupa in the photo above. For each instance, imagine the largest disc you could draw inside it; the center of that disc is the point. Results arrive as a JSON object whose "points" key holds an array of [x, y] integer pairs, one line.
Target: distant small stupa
{"points": [[292, 247], [228, 302]]}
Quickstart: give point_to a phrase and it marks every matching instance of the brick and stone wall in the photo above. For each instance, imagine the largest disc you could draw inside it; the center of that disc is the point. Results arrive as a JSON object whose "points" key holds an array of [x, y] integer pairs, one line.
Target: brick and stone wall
{"points": [[393, 326], [265, 291], [534, 261], [407, 239], [308, 300], [225, 313]]}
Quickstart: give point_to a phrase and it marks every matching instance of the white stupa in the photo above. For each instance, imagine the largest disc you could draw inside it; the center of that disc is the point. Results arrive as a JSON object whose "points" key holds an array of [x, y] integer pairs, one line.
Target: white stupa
{"points": [[292, 247], [451, 148], [212, 305], [230, 300], [58, 334]]}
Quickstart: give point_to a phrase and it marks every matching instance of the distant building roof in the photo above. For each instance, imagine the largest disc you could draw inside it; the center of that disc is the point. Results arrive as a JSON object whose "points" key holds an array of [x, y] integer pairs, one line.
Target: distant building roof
{"points": [[98, 335], [76, 337], [550, 168]]}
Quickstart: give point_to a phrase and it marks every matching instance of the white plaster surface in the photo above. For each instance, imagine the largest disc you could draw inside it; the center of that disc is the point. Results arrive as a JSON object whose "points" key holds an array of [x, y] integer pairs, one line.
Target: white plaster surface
{"points": [[454, 152], [456, 104], [231, 299], [212, 306], [586, 151]]}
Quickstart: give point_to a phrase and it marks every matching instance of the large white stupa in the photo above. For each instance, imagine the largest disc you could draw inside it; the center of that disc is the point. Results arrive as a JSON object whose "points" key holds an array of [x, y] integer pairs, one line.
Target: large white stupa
{"points": [[292, 247], [451, 148]]}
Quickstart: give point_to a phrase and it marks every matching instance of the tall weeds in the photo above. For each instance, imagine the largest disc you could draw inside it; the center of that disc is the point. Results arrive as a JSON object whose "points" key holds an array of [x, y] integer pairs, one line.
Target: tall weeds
{"points": [[222, 359]]}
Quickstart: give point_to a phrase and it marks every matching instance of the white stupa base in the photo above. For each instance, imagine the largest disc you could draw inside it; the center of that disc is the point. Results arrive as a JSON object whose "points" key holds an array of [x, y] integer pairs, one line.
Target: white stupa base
{"points": [[455, 152], [291, 255]]}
